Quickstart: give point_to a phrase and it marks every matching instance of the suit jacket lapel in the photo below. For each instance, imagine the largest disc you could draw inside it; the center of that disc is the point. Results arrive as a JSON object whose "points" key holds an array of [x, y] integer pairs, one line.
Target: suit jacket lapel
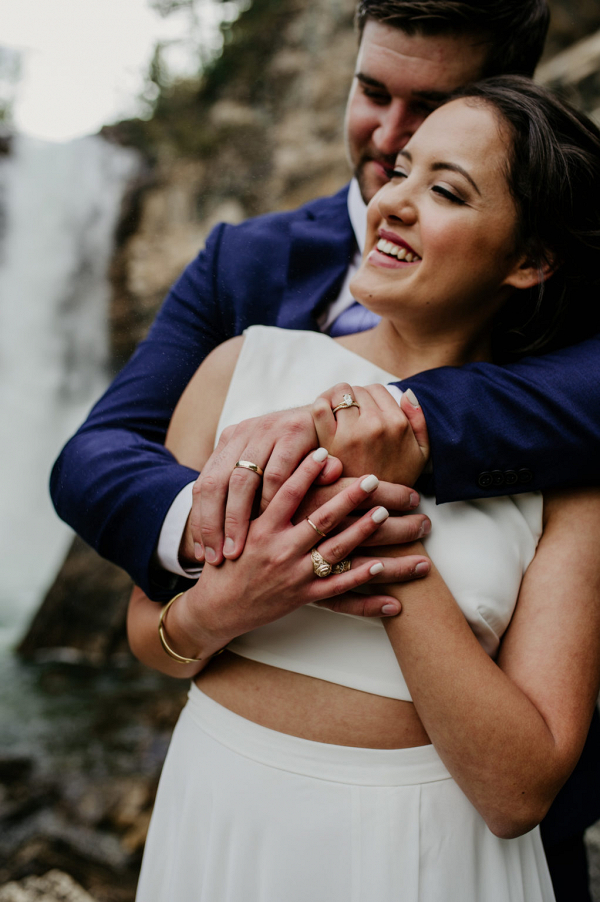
{"points": [[321, 248]]}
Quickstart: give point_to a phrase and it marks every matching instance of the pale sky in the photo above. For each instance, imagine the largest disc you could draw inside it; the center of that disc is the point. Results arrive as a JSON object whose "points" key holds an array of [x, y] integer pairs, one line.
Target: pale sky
{"points": [[84, 61]]}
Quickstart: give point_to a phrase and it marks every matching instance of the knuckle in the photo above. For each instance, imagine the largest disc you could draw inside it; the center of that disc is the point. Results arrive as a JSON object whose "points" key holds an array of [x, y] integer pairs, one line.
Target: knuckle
{"points": [[227, 434], [210, 484], [325, 521], [335, 551], [274, 477], [206, 531], [292, 493], [239, 478], [233, 523]]}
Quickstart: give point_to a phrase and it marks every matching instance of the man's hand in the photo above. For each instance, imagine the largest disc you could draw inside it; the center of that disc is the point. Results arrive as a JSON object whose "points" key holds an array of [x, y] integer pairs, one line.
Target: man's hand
{"points": [[381, 437], [378, 436], [224, 497]]}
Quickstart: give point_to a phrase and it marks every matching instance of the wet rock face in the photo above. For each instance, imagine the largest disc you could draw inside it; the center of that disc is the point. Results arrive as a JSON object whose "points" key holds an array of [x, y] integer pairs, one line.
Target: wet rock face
{"points": [[55, 886]]}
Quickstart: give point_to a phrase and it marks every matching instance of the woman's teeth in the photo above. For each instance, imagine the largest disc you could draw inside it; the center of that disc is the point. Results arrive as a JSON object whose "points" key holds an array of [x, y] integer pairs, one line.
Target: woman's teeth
{"points": [[394, 250]]}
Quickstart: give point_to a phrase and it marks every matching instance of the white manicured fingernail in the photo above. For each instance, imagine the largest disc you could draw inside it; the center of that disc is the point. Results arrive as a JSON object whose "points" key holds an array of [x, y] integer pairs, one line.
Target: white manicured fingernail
{"points": [[320, 455], [389, 609], [229, 545], [375, 569], [379, 515], [209, 554], [198, 551], [369, 483], [412, 398]]}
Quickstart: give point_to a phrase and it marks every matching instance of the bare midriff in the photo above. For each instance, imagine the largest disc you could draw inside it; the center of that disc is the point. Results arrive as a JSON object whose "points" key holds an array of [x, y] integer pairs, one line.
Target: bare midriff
{"points": [[310, 708]]}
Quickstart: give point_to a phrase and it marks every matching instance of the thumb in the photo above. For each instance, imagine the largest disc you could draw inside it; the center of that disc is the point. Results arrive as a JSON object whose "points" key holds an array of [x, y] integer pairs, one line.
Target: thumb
{"points": [[331, 472], [413, 412]]}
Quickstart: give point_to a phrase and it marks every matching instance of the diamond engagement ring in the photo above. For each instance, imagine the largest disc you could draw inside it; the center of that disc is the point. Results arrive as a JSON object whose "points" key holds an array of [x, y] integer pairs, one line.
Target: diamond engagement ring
{"points": [[322, 568], [347, 401]]}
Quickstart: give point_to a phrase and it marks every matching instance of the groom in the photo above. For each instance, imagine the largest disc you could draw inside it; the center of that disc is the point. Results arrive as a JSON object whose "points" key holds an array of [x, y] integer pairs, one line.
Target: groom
{"points": [[123, 492]]}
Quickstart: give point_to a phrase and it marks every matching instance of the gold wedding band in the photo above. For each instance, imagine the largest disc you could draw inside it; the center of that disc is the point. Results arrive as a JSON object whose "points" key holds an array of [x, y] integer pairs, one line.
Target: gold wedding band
{"points": [[322, 568], [248, 465], [347, 402], [316, 528]]}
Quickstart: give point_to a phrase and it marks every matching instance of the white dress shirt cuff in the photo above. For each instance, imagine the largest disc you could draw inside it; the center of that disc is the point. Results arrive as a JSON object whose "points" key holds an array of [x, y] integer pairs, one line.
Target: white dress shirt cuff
{"points": [[171, 535], [395, 392]]}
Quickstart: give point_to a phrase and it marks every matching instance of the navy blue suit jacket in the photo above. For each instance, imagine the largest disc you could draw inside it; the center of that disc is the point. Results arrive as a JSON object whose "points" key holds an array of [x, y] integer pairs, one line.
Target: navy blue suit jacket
{"points": [[537, 421], [114, 481]]}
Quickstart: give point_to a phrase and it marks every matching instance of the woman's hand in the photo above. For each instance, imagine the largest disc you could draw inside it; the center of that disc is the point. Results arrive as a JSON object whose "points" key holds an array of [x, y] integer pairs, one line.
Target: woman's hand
{"points": [[378, 435], [275, 575]]}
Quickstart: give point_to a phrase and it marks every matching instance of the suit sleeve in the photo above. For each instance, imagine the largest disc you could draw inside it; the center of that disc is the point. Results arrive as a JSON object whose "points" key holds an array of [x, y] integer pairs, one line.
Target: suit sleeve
{"points": [[496, 430], [114, 480]]}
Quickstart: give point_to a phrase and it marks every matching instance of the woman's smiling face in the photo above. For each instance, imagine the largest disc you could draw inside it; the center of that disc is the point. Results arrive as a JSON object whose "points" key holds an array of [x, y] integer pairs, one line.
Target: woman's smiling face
{"points": [[441, 234]]}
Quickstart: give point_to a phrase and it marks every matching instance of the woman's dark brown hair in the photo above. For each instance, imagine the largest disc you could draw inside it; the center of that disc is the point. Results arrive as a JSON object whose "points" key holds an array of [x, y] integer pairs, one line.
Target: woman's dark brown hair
{"points": [[553, 171]]}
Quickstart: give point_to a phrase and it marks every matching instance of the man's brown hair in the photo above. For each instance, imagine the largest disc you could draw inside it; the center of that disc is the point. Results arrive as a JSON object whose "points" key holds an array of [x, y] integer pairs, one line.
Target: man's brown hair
{"points": [[513, 30]]}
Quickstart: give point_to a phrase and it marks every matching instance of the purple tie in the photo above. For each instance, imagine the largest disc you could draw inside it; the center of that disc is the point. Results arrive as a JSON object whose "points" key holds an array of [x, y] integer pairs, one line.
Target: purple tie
{"points": [[354, 318]]}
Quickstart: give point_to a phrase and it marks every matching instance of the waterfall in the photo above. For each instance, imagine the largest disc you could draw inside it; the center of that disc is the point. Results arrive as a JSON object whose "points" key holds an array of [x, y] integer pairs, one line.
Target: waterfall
{"points": [[59, 205]]}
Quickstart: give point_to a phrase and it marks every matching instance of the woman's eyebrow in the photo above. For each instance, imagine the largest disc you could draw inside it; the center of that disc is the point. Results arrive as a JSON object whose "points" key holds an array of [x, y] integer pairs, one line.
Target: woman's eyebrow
{"points": [[454, 167], [436, 167]]}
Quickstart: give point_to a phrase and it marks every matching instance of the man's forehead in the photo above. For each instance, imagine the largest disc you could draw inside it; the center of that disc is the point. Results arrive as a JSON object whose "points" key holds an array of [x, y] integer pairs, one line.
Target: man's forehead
{"points": [[427, 65]]}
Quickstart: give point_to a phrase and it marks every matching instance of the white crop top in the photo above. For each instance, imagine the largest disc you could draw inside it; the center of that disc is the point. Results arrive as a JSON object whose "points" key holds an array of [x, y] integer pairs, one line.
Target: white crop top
{"points": [[481, 548]]}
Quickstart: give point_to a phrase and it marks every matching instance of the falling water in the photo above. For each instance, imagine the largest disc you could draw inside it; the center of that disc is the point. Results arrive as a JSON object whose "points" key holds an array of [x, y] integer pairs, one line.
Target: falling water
{"points": [[58, 209]]}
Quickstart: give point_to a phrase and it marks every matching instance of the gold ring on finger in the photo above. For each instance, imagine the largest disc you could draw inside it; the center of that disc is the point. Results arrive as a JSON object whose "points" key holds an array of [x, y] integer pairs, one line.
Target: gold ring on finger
{"points": [[248, 465], [322, 568], [323, 535], [347, 402]]}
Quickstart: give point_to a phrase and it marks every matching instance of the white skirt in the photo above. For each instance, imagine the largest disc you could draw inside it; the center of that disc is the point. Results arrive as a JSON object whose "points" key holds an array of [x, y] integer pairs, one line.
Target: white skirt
{"points": [[246, 814]]}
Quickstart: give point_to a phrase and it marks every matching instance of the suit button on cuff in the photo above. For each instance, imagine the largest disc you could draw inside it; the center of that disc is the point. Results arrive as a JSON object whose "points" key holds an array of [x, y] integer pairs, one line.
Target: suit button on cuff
{"points": [[525, 476], [497, 477], [485, 480], [511, 477]]}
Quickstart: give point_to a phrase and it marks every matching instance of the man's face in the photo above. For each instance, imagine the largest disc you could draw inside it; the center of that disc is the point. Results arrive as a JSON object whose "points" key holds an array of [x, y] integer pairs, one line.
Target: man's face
{"points": [[399, 80]]}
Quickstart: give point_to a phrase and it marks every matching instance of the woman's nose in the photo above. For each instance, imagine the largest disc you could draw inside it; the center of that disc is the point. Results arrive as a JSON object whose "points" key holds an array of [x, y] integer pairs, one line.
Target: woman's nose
{"points": [[395, 203]]}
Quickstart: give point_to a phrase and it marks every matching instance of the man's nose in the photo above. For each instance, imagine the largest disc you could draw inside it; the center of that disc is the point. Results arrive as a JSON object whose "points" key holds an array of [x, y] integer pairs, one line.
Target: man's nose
{"points": [[396, 126]]}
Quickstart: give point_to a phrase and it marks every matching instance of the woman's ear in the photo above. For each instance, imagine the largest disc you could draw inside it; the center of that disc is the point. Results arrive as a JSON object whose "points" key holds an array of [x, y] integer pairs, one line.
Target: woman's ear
{"points": [[526, 273]]}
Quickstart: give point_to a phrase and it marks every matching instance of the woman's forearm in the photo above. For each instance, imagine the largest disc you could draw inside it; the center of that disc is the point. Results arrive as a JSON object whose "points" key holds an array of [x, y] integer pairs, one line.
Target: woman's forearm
{"points": [[142, 628], [491, 736]]}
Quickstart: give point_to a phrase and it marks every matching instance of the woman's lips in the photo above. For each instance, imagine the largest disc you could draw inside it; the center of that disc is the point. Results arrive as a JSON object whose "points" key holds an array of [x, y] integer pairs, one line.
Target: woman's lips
{"points": [[394, 239], [392, 252], [377, 258]]}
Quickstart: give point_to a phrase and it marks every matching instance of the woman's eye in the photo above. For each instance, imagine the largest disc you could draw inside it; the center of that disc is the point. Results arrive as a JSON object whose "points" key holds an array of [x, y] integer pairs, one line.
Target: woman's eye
{"points": [[397, 174], [449, 195]]}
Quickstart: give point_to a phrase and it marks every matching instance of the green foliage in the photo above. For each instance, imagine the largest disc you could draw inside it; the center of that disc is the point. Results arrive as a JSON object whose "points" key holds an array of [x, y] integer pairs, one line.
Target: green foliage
{"points": [[179, 121]]}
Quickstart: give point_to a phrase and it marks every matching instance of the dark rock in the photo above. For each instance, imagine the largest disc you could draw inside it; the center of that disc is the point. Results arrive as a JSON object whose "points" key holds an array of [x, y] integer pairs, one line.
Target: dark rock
{"points": [[82, 618]]}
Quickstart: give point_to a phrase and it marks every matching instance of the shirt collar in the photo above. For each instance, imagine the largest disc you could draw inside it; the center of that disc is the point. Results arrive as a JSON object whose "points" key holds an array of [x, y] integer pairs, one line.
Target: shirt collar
{"points": [[357, 211]]}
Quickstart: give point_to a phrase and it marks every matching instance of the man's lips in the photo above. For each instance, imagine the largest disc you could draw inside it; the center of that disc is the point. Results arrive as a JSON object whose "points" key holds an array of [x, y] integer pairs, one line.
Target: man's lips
{"points": [[385, 169]]}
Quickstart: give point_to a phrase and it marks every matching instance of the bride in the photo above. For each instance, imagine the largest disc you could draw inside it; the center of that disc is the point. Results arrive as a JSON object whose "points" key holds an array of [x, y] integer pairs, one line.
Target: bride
{"points": [[408, 756]]}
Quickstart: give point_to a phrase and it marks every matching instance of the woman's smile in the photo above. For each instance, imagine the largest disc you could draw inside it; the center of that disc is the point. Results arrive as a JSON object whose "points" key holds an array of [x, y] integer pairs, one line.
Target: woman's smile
{"points": [[392, 251], [441, 234]]}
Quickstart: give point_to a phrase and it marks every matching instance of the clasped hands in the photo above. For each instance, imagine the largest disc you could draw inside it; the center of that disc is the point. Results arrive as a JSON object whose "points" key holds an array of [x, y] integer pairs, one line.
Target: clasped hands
{"points": [[377, 436]]}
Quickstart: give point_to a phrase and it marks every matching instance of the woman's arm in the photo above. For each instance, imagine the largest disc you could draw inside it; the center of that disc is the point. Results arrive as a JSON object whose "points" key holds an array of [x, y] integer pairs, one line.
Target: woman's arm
{"points": [[511, 732], [274, 577]]}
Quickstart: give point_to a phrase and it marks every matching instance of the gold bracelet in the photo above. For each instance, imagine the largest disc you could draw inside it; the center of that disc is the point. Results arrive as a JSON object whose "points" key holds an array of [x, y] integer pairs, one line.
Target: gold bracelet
{"points": [[163, 638]]}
